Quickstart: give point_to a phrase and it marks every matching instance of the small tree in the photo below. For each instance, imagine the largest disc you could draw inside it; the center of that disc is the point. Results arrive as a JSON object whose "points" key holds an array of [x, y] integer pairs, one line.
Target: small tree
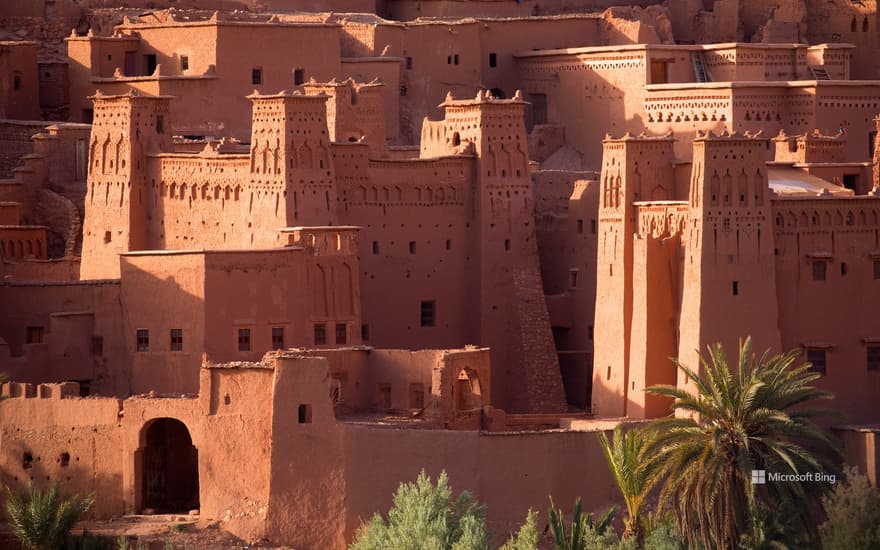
{"points": [[425, 517], [635, 471], [41, 520], [853, 510], [528, 536]]}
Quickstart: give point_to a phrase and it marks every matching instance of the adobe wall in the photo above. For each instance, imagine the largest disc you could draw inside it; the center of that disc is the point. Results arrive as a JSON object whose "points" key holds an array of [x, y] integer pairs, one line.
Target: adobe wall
{"points": [[418, 230], [566, 226], [510, 472], [15, 142], [99, 357], [405, 11], [19, 84], [49, 434], [836, 312], [65, 269]]}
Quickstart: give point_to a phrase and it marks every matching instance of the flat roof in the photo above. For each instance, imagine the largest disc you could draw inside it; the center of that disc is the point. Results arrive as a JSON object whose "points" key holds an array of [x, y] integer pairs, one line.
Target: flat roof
{"points": [[208, 252], [788, 181], [679, 47]]}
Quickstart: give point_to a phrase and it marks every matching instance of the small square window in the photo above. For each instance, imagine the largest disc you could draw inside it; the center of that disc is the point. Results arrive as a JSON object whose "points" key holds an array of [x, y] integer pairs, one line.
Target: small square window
{"points": [[375, 247], [493, 59], [573, 278], [244, 339], [736, 288], [320, 334], [341, 333], [449, 60], [593, 227], [184, 63], [256, 76], [365, 332], [304, 414], [16, 82], [819, 269], [299, 76], [409, 63], [277, 337], [412, 247], [448, 244], [177, 339], [455, 59], [160, 124], [816, 358], [843, 269], [403, 91], [428, 313], [507, 244], [143, 339], [34, 335], [873, 357], [580, 226], [877, 269]]}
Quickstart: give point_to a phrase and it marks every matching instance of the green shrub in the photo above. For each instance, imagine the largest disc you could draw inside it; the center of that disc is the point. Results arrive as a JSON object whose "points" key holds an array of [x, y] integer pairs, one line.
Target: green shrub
{"points": [[853, 512], [528, 536], [425, 517]]}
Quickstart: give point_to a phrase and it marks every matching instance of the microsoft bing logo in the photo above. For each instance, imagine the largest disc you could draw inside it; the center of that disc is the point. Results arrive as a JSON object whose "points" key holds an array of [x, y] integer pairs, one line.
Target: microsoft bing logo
{"points": [[759, 477]]}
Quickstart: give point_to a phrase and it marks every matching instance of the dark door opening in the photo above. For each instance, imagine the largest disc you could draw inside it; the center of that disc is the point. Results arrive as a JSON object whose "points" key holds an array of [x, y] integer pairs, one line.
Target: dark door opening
{"points": [[849, 181], [150, 62], [170, 474]]}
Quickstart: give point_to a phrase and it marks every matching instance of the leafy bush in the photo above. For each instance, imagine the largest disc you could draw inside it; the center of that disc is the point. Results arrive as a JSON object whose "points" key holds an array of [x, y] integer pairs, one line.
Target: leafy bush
{"points": [[528, 536], [41, 520], [853, 511], [425, 517]]}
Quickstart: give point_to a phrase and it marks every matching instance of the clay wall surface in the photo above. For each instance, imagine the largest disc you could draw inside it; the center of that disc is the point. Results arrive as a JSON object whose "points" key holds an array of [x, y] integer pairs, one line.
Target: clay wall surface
{"points": [[19, 242], [404, 11], [19, 85], [50, 435], [835, 314], [387, 70], [15, 142], [10, 213], [99, 358], [509, 472], [419, 239], [850, 23], [66, 269], [566, 218]]}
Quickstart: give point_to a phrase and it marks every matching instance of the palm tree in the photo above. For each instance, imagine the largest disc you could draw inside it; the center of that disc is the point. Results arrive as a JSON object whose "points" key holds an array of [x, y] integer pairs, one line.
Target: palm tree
{"points": [[635, 471], [738, 421], [576, 537], [41, 519]]}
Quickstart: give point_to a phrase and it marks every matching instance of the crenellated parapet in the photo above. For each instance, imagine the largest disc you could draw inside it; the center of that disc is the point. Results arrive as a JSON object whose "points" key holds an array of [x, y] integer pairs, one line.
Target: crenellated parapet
{"points": [[17, 390]]}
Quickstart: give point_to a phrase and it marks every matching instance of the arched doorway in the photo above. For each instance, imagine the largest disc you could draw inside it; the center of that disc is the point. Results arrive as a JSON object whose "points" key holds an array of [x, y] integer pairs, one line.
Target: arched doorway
{"points": [[468, 394], [170, 468]]}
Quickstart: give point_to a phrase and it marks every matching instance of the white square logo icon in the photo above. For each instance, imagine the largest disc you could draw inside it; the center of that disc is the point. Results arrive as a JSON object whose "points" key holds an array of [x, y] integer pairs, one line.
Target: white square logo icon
{"points": [[759, 477]]}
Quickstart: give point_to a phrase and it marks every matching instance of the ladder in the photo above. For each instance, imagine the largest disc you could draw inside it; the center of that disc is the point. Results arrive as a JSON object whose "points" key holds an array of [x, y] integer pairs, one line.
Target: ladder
{"points": [[700, 71], [820, 72]]}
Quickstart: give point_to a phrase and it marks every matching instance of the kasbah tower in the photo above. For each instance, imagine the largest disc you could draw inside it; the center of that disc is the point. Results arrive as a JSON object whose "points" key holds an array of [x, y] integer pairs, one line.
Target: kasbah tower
{"points": [[263, 262]]}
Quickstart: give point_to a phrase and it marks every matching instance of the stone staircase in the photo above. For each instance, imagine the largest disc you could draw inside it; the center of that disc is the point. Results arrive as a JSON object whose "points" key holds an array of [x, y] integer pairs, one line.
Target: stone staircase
{"points": [[700, 71], [819, 72]]}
